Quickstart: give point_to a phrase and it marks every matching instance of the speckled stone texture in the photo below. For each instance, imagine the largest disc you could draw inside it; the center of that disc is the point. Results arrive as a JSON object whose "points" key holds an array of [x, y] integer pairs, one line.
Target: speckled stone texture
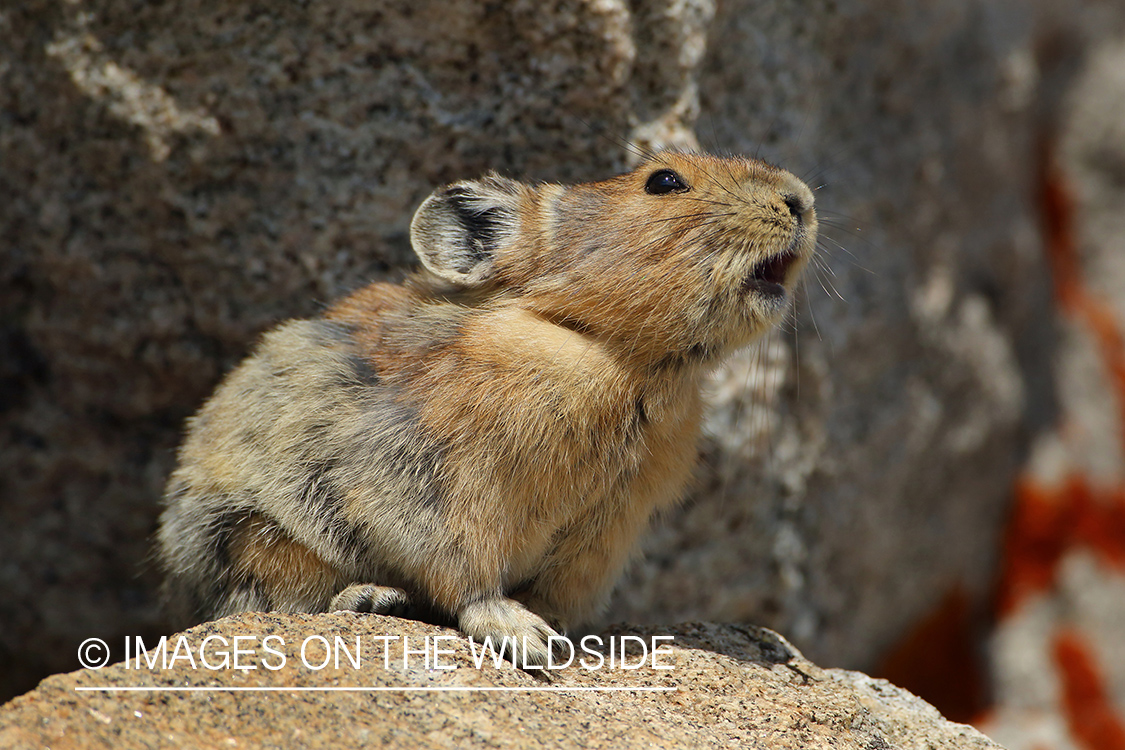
{"points": [[177, 177], [733, 687]]}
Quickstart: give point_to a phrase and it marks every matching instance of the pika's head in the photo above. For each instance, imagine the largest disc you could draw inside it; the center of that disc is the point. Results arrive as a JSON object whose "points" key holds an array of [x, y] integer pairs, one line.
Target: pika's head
{"points": [[687, 254]]}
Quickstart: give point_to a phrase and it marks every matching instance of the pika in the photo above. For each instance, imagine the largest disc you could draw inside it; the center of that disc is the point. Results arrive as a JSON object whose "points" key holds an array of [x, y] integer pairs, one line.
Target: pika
{"points": [[486, 441]]}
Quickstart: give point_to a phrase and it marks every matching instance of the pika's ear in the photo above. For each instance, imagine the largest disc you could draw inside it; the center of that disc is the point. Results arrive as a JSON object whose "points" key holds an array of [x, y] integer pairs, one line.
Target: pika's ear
{"points": [[457, 230]]}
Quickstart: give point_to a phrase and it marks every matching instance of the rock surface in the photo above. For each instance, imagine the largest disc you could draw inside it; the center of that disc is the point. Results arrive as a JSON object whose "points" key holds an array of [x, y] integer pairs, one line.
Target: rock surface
{"points": [[177, 177], [1057, 652], [729, 686]]}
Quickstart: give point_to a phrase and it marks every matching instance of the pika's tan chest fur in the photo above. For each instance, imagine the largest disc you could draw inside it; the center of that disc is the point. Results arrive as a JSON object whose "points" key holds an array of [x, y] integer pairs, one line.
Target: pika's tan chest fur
{"points": [[487, 441]]}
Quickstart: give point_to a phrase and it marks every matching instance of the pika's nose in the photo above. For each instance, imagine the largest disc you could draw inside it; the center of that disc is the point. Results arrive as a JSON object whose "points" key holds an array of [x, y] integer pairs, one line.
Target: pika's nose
{"points": [[798, 199], [795, 204]]}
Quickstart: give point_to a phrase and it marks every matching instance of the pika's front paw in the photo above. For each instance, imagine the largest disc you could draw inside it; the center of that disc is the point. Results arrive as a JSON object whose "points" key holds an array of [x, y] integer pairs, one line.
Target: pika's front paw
{"points": [[522, 635], [367, 597]]}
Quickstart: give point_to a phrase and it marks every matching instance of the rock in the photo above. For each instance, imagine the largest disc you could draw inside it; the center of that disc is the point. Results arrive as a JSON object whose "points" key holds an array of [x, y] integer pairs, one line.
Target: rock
{"points": [[178, 177], [1057, 651], [727, 686]]}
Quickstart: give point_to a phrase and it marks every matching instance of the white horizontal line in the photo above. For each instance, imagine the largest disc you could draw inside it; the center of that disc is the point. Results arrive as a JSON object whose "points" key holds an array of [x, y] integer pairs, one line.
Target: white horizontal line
{"points": [[381, 689]]}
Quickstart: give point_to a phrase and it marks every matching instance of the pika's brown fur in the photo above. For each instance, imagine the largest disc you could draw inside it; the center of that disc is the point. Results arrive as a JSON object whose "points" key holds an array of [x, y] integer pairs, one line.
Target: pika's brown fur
{"points": [[487, 440]]}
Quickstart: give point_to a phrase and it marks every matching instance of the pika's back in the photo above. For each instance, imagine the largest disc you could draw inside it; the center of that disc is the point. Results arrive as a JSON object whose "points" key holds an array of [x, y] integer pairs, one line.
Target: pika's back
{"points": [[487, 440]]}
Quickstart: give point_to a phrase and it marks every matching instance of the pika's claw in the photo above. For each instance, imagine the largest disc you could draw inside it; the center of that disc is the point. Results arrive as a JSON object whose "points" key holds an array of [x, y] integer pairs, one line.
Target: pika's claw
{"points": [[523, 635], [367, 597]]}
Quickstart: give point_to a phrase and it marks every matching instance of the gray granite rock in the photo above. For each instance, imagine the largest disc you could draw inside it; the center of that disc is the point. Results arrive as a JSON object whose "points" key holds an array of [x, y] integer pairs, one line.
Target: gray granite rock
{"points": [[719, 686], [1058, 659]]}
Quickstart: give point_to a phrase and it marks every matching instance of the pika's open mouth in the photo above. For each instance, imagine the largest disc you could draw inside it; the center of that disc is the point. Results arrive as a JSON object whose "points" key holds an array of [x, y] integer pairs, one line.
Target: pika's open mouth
{"points": [[768, 276]]}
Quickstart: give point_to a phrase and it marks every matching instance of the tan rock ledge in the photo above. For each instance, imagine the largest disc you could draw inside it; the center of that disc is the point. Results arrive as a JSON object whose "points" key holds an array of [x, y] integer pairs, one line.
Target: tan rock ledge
{"points": [[707, 686]]}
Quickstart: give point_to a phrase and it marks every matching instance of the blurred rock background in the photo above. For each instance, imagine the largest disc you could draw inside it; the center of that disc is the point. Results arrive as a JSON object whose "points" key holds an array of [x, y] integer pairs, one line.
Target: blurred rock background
{"points": [[177, 177]]}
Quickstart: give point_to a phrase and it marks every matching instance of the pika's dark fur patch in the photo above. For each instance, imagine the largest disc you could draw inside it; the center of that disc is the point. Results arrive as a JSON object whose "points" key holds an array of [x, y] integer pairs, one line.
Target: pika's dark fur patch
{"points": [[481, 225]]}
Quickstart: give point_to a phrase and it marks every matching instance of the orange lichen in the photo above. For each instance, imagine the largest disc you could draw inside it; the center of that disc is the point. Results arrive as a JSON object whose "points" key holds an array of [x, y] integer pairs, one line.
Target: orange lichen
{"points": [[1086, 703], [1071, 294], [940, 659], [1045, 523], [1056, 206], [1033, 545]]}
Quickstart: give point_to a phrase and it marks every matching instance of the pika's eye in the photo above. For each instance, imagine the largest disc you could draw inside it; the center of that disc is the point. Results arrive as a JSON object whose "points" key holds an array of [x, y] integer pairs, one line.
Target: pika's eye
{"points": [[665, 181]]}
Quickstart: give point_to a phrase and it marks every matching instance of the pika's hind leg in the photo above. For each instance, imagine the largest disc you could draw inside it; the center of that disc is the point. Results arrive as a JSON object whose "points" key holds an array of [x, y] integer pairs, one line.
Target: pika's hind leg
{"points": [[368, 597], [270, 571]]}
